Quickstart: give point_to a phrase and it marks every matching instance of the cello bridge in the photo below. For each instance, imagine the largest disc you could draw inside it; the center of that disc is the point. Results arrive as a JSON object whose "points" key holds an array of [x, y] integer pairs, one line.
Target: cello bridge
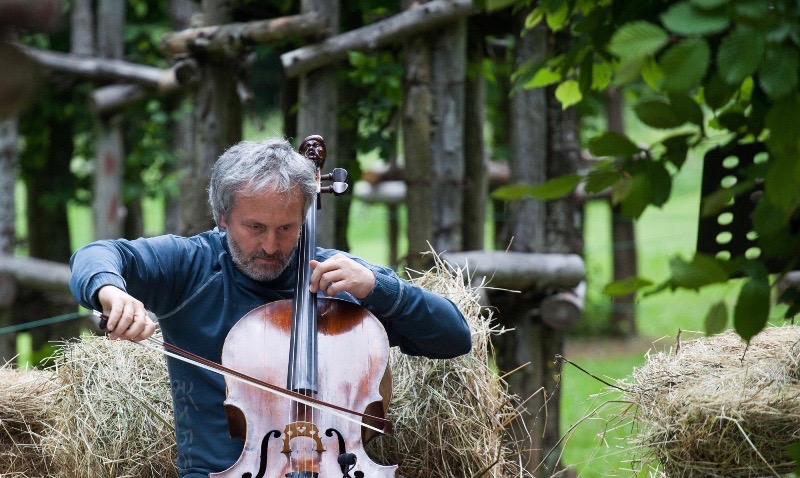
{"points": [[301, 429]]}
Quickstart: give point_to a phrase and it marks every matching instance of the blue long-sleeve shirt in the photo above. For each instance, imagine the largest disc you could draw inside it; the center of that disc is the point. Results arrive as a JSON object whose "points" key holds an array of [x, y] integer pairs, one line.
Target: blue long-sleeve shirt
{"points": [[198, 294]]}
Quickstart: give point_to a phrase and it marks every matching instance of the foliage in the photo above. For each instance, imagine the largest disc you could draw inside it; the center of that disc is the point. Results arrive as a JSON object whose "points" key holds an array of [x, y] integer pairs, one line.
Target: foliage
{"points": [[379, 77], [711, 72]]}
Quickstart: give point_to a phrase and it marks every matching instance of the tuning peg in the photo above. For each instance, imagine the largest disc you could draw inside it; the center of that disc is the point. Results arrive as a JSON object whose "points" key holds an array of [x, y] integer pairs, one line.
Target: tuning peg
{"points": [[337, 188], [338, 175]]}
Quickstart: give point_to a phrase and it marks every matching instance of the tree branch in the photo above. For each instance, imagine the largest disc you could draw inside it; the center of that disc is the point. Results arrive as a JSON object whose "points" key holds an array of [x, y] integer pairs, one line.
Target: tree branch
{"points": [[105, 69], [411, 22], [222, 38]]}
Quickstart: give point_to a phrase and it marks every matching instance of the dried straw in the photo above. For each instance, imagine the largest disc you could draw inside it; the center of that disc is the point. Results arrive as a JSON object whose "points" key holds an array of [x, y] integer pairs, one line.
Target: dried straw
{"points": [[715, 407], [450, 416], [113, 416], [25, 398]]}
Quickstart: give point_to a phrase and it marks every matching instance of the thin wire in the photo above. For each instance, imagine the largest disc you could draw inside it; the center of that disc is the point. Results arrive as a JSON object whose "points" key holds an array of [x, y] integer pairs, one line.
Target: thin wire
{"points": [[42, 322]]}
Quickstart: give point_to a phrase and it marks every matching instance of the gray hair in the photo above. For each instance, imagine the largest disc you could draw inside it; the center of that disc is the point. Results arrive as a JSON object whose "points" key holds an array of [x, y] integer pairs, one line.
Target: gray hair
{"points": [[254, 166]]}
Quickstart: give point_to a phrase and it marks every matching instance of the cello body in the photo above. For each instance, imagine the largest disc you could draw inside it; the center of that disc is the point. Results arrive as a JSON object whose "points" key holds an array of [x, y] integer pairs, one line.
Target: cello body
{"points": [[351, 370]]}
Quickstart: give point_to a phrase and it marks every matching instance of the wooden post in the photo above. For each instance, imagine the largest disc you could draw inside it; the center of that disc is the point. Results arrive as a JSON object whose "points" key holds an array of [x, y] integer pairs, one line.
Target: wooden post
{"points": [[9, 159], [448, 75], [531, 342], [318, 112], [623, 311], [417, 132], [108, 206], [564, 234], [82, 38], [528, 138], [183, 141], [218, 119], [475, 164]]}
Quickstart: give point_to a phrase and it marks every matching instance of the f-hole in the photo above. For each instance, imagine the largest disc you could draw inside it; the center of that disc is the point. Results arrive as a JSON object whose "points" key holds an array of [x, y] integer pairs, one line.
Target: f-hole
{"points": [[262, 467]]}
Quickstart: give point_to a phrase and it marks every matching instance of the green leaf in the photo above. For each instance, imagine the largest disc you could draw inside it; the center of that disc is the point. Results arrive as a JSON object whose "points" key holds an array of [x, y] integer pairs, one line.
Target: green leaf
{"points": [[717, 92], [713, 203], [708, 4], [684, 19], [677, 149], [768, 218], [702, 271], [652, 73], [660, 182], [557, 19], [621, 189], [552, 189], [543, 77], [534, 18], [626, 286], [717, 318], [740, 53], [658, 114], [783, 122], [733, 121], [601, 75], [685, 64], [637, 40], [782, 183], [585, 74], [752, 9], [568, 93], [599, 180], [628, 71], [777, 74], [640, 194], [752, 308], [685, 107], [610, 143], [793, 450], [492, 5]]}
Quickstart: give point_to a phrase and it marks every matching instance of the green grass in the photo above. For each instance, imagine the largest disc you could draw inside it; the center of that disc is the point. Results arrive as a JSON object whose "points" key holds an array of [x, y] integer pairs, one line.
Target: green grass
{"points": [[593, 440]]}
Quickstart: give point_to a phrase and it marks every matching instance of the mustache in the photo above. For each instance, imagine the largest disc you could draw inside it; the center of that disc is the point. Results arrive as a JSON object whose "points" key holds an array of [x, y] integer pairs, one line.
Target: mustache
{"points": [[263, 255]]}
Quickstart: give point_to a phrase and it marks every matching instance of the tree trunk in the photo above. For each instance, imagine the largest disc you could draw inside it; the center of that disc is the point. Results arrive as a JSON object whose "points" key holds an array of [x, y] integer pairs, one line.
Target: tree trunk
{"points": [[564, 234], [318, 113], [347, 143], [475, 161], [417, 132], [82, 37], [449, 71], [528, 139], [9, 159], [109, 207], [623, 310], [527, 343], [48, 231], [218, 118], [183, 128]]}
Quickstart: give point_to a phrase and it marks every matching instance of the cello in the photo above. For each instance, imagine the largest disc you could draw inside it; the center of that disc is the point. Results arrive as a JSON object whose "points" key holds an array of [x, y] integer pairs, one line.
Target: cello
{"points": [[326, 349]]}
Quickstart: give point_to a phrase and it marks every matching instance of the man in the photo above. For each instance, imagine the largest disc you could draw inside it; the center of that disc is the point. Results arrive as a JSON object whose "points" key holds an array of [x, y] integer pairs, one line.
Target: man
{"points": [[200, 286]]}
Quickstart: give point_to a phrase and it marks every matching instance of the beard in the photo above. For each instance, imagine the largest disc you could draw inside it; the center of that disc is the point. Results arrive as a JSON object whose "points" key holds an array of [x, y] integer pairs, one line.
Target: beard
{"points": [[254, 269]]}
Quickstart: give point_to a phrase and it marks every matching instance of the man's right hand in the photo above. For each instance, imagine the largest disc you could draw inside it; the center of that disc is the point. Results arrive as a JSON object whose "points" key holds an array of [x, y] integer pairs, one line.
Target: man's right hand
{"points": [[127, 318]]}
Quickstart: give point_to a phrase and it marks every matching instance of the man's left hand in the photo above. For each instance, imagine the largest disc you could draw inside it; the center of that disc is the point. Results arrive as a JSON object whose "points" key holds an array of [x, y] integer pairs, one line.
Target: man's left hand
{"points": [[340, 273]]}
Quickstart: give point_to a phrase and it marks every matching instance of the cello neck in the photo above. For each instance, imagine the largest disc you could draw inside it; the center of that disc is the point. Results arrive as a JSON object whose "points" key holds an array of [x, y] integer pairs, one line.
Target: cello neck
{"points": [[303, 347]]}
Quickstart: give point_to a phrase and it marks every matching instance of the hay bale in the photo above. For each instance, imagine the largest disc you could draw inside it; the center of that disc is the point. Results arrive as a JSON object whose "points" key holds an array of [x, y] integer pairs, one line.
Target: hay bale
{"points": [[715, 407], [450, 416], [25, 398], [113, 415]]}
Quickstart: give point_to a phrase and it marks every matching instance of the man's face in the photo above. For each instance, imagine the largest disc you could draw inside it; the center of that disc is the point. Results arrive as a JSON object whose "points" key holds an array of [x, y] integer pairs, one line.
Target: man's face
{"points": [[262, 232]]}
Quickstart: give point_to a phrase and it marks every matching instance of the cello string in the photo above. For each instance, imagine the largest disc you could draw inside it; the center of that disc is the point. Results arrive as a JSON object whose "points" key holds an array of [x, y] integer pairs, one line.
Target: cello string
{"points": [[255, 383]]}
